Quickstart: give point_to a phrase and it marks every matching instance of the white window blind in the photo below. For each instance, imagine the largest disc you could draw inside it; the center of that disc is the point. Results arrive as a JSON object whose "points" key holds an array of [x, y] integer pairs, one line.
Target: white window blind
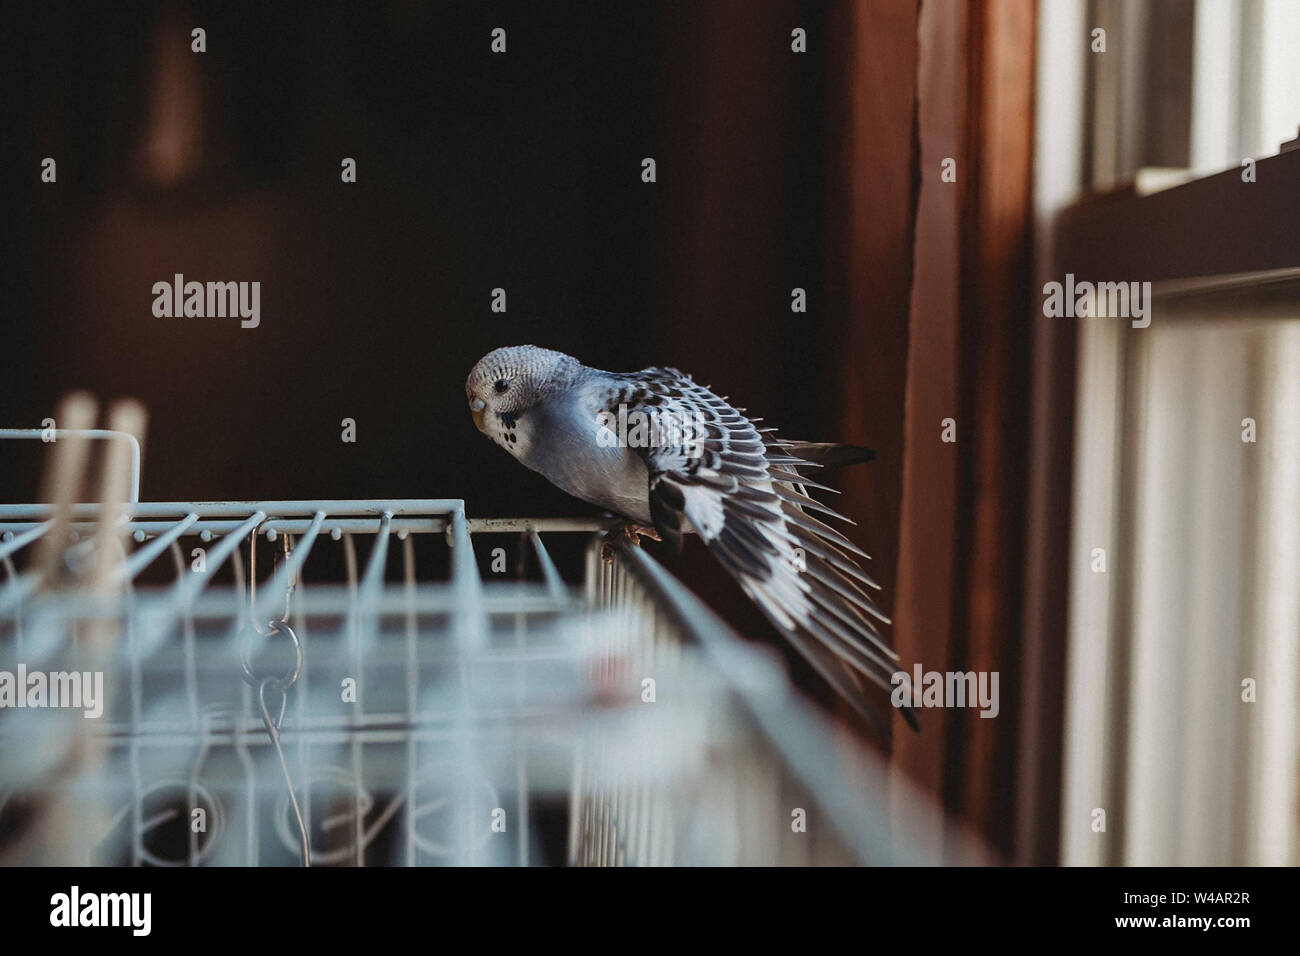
{"points": [[1201, 587]]}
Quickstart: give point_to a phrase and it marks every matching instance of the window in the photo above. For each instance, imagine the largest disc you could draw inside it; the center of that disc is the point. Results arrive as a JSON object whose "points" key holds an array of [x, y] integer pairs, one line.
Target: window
{"points": [[1181, 716]]}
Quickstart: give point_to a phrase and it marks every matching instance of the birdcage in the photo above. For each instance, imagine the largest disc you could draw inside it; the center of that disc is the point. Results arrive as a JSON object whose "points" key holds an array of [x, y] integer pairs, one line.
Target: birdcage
{"points": [[341, 683]]}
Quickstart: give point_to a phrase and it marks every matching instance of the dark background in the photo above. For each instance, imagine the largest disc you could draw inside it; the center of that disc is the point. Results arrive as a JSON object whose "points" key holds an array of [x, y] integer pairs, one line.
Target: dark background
{"points": [[475, 170], [523, 171]]}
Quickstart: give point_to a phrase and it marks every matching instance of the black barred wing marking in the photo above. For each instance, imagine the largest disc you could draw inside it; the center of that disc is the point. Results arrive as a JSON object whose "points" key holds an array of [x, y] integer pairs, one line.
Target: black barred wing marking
{"points": [[747, 497]]}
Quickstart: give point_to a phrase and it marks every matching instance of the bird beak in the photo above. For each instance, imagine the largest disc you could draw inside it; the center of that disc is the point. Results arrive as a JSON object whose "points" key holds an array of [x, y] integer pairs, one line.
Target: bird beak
{"points": [[476, 407]]}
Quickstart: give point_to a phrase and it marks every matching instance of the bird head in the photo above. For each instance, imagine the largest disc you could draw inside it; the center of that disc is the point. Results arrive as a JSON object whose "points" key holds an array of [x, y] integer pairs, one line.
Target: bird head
{"points": [[508, 383]]}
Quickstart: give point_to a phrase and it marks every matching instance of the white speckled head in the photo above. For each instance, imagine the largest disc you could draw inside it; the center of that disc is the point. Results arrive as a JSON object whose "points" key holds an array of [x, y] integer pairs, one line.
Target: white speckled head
{"points": [[507, 382]]}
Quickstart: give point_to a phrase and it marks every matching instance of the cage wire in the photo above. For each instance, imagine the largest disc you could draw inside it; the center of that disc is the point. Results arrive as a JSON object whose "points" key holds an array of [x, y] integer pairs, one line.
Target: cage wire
{"points": [[405, 715]]}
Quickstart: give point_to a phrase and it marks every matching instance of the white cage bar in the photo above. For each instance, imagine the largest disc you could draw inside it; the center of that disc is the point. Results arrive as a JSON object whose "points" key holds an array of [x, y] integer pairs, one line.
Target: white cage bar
{"points": [[412, 714]]}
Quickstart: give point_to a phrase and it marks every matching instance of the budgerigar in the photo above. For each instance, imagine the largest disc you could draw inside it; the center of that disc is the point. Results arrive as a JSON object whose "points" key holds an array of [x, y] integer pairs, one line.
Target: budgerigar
{"points": [[667, 453]]}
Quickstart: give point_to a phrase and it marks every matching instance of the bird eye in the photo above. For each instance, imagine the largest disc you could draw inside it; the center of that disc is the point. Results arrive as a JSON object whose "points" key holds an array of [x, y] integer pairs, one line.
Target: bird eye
{"points": [[501, 385]]}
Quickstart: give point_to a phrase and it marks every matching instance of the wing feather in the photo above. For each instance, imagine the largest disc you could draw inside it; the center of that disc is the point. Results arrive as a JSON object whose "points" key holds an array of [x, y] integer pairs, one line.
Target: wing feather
{"points": [[744, 492]]}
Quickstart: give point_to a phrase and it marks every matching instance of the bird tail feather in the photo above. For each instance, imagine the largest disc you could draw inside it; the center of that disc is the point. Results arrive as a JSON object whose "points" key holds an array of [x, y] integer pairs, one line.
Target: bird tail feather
{"points": [[829, 454]]}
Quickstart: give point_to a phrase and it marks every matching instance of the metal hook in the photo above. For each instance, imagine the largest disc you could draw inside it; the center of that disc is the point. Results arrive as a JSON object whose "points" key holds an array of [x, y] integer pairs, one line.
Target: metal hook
{"points": [[289, 678], [273, 731], [280, 684], [289, 586]]}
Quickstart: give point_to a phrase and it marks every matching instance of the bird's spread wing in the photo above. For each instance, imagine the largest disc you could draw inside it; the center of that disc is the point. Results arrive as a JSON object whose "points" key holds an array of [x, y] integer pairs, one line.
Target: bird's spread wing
{"points": [[745, 494]]}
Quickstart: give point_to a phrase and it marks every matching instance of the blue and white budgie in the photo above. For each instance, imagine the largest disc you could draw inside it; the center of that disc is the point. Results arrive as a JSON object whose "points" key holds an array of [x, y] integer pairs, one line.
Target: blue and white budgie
{"points": [[670, 455]]}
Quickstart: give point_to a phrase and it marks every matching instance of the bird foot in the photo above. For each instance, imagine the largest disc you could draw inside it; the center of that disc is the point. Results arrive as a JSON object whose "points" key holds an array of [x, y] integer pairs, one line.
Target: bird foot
{"points": [[629, 530]]}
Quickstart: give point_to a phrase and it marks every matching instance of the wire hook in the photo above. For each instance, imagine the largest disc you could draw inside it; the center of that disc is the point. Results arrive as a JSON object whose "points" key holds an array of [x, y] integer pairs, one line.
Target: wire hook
{"points": [[289, 585], [286, 680], [280, 684], [273, 731]]}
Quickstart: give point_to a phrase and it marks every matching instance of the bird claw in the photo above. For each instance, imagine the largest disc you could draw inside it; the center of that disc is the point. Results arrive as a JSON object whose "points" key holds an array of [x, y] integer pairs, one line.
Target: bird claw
{"points": [[628, 530]]}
